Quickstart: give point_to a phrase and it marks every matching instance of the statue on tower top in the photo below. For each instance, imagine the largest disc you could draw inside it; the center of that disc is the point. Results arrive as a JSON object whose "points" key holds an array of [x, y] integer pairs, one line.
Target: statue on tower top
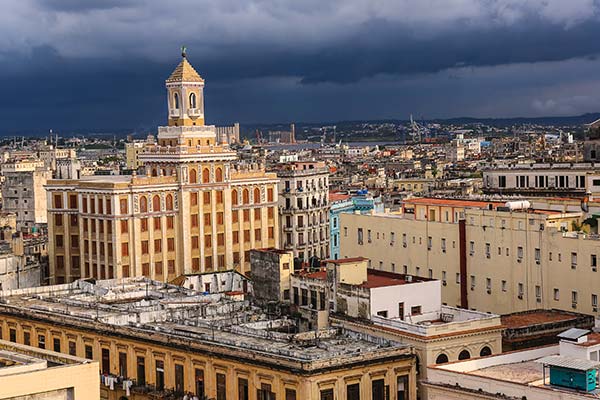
{"points": [[183, 51]]}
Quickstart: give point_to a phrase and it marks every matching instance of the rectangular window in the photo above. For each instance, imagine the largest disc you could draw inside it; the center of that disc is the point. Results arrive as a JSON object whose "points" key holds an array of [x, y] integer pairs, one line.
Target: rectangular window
{"points": [[327, 394], [593, 262], [360, 236], [243, 393], [27, 338], [160, 374], [290, 394], [41, 341], [503, 286], [353, 391], [415, 310], [573, 260], [556, 294], [378, 390], [89, 352], [105, 361], [179, 378], [594, 301], [72, 348], [124, 226], [12, 335], [574, 297], [141, 371], [519, 253], [199, 380], [123, 364], [520, 290], [221, 387], [56, 345], [471, 248]]}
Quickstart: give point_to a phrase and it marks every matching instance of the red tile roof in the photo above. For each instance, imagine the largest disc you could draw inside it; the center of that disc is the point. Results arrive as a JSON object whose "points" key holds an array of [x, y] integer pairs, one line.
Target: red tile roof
{"points": [[347, 260], [521, 320], [335, 196]]}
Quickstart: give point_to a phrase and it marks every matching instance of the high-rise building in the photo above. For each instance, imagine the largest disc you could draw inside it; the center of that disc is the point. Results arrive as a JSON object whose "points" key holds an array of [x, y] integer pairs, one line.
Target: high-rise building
{"points": [[304, 208], [196, 209]]}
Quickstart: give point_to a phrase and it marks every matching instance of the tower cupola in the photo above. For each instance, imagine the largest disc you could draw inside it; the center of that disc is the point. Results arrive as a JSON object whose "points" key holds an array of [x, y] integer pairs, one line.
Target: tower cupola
{"points": [[185, 95]]}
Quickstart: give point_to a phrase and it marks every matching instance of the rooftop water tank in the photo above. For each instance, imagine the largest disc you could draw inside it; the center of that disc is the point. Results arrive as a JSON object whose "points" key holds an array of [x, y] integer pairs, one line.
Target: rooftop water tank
{"points": [[517, 205]]}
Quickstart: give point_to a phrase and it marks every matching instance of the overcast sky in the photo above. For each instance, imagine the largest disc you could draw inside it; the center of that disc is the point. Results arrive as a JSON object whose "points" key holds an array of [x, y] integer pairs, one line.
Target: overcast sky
{"points": [[101, 64]]}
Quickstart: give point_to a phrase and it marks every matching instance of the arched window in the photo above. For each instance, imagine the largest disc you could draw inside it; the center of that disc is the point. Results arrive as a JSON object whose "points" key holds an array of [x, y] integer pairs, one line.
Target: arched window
{"points": [[256, 195], [156, 203], [246, 196], [219, 174], [192, 100], [143, 204], [193, 176], [485, 351], [205, 175], [169, 201], [441, 359], [234, 197], [464, 355], [176, 101]]}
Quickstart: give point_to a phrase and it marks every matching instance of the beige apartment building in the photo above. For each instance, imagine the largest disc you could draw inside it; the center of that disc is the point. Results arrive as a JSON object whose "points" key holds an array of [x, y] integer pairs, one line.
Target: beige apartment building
{"points": [[36, 374], [196, 209], [158, 341], [488, 258]]}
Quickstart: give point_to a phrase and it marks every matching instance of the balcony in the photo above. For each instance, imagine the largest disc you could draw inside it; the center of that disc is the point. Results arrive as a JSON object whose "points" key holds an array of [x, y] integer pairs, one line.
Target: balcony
{"points": [[194, 112], [174, 113]]}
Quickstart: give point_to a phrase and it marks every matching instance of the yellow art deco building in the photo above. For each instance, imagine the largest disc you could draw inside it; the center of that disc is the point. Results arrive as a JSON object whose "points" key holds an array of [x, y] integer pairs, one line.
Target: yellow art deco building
{"points": [[196, 208]]}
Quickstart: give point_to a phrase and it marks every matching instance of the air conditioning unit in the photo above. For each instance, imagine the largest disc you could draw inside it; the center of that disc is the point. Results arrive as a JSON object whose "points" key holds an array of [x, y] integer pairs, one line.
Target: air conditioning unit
{"points": [[489, 291], [404, 245], [472, 287], [488, 256], [539, 299], [444, 283], [594, 269], [595, 309], [443, 250], [519, 260], [537, 262], [573, 305], [520, 297]]}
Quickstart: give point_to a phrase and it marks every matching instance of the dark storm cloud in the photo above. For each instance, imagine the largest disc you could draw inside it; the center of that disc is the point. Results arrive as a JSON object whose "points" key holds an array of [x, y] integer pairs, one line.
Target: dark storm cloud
{"points": [[84, 5], [102, 63]]}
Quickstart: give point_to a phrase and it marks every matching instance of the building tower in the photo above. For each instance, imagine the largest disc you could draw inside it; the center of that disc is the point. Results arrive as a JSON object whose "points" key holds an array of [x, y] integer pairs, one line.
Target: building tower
{"points": [[197, 208], [185, 92]]}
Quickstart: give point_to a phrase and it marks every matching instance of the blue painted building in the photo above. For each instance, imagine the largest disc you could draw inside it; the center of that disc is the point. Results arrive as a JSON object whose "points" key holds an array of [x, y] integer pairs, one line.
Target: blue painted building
{"points": [[362, 202]]}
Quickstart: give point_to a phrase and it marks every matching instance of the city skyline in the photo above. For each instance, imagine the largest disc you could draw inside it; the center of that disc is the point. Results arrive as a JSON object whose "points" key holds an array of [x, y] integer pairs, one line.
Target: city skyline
{"points": [[99, 65]]}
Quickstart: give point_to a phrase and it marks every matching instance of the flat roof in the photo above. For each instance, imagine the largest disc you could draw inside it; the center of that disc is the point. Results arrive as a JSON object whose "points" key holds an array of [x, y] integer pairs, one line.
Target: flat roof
{"points": [[518, 372], [536, 317], [453, 202], [228, 326]]}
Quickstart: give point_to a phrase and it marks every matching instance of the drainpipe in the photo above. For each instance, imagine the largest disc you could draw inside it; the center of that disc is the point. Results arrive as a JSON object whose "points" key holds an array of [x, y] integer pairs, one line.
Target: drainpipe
{"points": [[462, 246]]}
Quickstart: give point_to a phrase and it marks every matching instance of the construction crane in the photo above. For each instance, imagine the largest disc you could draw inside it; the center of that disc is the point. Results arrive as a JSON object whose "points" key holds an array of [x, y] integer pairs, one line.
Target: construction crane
{"points": [[417, 130]]}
